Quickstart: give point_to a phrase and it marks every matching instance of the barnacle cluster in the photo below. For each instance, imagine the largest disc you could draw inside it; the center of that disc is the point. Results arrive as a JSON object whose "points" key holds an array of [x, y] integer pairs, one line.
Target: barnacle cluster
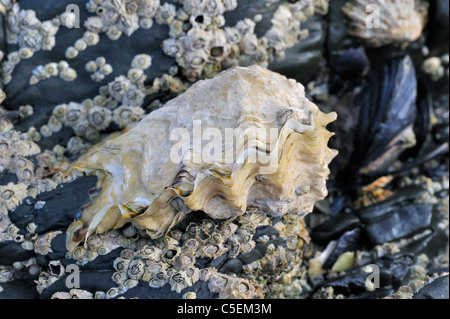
{"points": [[29, 33], [392, 22], [119, 16], [88, 39], [99, 69], [43, 72], [209, 47], [171, 260]]}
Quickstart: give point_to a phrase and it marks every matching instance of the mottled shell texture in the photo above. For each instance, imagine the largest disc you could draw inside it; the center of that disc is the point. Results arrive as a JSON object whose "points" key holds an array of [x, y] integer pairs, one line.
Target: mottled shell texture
{"points": [[152, 175]]}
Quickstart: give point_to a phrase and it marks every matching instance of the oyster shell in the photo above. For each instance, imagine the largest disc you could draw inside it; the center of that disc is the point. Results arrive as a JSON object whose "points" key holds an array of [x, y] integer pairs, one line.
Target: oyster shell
{"points": [[394, 22], [145, 180]]}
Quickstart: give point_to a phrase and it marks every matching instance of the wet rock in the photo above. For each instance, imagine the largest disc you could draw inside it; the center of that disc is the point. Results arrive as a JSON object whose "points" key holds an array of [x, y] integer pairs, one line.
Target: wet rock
{"points": [[61, 206], [334, 227], [349, 241], [399, 223], [393, 273], [438, 289], [233, 266], [18, 289], [10, 252]]}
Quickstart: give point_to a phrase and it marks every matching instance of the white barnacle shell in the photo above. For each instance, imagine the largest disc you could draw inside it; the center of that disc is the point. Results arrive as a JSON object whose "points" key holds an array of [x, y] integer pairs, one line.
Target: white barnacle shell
{"points": [[141, 61], [42, 245], [145, 23], [246, 26], [91, 38], [62, 65], [173, 47], [106, 69], [54, 123], [133, 96], [71, 52], [68, 74], [80, 44], [128, 23], [148, 8], [5, 222], [94, 24], [113, 32], [91, 6], [118, 87], [99, 117], [125, 115], [25, 148], [45, 131], [11, 195], [60, 110], [25, 53], [100, 61], [135, 74], [219, 48], [51, 69], [68, 19], [401, 21], [49, 28], [229, 4], [214, 7], [91, 66], [97, 76], [166, 14], [153, 181], [2, 96], [25, 111]]}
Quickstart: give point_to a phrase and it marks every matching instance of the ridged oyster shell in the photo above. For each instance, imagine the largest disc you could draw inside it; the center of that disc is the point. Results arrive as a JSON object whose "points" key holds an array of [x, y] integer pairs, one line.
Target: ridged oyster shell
{"points": [[143, 184]]}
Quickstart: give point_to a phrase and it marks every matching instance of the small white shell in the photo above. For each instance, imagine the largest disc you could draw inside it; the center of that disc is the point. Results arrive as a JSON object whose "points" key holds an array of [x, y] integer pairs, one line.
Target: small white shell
{"points": [[68, 74], [71, 53]]}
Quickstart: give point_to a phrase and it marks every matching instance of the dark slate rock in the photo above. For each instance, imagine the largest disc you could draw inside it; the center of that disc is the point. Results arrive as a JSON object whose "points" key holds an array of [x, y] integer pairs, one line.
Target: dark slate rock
{"points": [[250, 257], [231, 266], [265, 230], [349, 241], [405, 194], [62, 204], [438, 289], [393, 273], [18, 289], [399, 223], [10, 252], [217, 262], [334, 227]]}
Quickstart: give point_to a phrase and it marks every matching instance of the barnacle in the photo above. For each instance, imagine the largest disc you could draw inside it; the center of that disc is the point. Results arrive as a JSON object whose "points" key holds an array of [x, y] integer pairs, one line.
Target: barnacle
{"points": [[68, 74], [147, 184], [25, 148], [73, 294], [11, 196], [166, 14], [401, 22], [99, 117], [23, 168], [230, 287], [42, 245], [141, 61], [5, 222]]}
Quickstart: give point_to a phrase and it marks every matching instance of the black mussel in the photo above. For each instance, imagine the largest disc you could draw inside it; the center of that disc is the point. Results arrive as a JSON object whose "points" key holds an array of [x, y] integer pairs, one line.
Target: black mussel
{"points": [[387, 112]]}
